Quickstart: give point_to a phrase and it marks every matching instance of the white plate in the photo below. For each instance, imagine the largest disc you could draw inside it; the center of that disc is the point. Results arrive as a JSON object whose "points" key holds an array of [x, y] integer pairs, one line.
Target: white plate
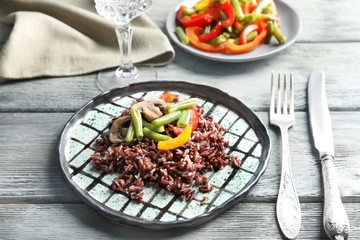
{"points": [[290, 26]]}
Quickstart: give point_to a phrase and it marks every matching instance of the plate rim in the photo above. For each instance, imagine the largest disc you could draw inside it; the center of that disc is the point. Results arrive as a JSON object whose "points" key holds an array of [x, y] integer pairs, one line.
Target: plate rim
{"points": [[223, 57], [120, 217]]}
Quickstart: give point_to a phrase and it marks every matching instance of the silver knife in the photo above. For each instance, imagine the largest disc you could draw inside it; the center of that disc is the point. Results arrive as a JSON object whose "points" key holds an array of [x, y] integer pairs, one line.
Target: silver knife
{"points": [[335, 220]]}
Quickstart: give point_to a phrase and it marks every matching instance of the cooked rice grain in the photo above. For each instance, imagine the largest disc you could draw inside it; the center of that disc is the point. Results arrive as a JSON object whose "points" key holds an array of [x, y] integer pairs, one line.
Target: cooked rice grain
{"points": [[176, 170]]}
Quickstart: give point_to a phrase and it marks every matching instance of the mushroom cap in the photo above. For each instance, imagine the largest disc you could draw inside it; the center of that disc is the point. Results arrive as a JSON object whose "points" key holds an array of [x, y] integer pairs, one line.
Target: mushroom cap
{"points": [[151, 109], [116, 133]]}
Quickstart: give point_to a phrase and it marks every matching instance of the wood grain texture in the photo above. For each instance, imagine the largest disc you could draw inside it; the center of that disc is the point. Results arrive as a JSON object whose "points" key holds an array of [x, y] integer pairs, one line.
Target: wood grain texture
{"points": [[35, 201], [249, 82], [323, 44], [78, 221], [31, 172]]}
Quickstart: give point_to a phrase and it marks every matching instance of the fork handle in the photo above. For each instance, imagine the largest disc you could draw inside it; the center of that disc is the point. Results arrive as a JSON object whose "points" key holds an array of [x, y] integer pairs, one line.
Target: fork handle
{"points": [[335, 220], [288, 209]]}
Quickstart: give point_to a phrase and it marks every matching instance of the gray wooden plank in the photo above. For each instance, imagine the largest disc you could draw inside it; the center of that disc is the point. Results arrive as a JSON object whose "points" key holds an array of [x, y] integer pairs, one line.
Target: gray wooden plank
{"points": [[48, 94], [78, 221], [28, 141], [250, 82], [29, 150], [318, 23], [30, 170]]}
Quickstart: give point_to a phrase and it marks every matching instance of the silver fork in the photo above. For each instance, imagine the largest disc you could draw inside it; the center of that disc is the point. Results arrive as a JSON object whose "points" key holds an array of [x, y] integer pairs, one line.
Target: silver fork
{"points": [[282, 115]]}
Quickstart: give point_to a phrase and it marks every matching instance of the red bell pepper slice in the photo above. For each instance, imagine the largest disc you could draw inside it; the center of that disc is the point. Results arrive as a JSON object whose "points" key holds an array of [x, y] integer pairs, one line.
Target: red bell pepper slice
{"points": [[251, 8], [273, 13], [234, 48], [216, 31], [167, 97], [214, 11], [246, 31], [248, 7], [194, 120], [237, 24], [229, 11], [193, 34], [245, 7], [201, 20]]}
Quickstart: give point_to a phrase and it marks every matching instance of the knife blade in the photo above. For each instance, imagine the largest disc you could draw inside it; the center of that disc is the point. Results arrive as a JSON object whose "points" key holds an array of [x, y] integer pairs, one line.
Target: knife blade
{"points": [[319, 114], [335, 220]]}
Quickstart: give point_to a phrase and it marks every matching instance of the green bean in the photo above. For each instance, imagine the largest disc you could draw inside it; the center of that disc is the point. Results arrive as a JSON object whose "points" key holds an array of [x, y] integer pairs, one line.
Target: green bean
{"points": [[207, 29], [223, 16], [239, 30], [181, 35], [253, 2], [251, 36], [278, 35], [188, 11], [184, 118], [137, 120], [243, 1], [184, 104], [270, 31], [157, 137], [237, 40], [130, 133], [167, 107], [226, 35], [266, 10], [271, 18], [238, 11], [152, 127], [249, 17], [218, 40], [229, 31], [261, 5], [166, 119]]}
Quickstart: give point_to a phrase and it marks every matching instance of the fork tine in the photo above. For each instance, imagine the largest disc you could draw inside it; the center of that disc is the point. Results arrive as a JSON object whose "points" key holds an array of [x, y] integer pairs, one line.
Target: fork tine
{"points": [[272, 102], [278, 109], [285, 107], [292, 94]]}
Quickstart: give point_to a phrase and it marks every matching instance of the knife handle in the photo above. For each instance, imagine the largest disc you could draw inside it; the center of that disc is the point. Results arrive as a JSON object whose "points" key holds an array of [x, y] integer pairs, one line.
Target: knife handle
{"points": [[335, 220]]}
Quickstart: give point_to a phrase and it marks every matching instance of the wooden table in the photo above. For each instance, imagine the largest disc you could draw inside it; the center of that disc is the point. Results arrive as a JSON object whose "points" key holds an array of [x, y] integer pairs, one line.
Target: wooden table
{"points": [[35, 201]]}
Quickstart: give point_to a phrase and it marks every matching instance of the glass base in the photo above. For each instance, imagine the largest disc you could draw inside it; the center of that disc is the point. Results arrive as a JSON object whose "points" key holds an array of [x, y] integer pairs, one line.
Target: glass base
{"points": [[115, 78]]}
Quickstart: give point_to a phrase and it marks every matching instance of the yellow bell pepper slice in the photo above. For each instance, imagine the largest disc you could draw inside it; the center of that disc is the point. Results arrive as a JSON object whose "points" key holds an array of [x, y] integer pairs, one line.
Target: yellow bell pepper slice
{"points": [[180, 140], [202, 5]]}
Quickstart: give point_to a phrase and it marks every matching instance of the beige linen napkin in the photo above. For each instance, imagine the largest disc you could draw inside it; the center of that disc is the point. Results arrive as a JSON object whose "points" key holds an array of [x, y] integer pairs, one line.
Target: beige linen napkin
{"points": [[63, 38]]}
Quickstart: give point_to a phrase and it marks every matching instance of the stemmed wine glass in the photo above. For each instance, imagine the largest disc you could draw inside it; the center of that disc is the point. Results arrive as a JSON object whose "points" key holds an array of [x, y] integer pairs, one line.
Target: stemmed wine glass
{"points": [[122, 12]]}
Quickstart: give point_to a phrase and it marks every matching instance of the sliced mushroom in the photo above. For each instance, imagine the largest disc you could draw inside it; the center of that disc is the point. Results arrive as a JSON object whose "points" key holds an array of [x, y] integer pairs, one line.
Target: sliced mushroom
{"points": [[151, 109], [117, 131]]}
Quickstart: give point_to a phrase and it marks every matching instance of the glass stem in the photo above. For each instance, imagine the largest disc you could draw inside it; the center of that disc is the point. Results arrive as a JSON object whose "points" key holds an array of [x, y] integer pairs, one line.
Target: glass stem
{"points": [[124, 35]]}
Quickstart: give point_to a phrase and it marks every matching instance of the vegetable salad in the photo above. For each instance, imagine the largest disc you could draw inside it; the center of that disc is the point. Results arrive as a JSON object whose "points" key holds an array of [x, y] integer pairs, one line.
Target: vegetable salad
{"points": [[232, 26]]}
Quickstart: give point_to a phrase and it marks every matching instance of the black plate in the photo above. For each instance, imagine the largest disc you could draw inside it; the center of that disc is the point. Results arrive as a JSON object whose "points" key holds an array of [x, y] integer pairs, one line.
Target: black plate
{"points": [[247, 136]]}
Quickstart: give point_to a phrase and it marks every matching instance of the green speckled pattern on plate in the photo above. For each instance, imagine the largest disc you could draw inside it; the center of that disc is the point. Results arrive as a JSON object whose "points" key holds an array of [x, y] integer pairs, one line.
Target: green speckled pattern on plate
{"points": [[161, 208]]}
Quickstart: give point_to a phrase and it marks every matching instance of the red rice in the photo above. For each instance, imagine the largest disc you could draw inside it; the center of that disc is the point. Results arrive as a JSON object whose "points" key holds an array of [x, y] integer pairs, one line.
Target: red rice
{"points": [[176, 170]]}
